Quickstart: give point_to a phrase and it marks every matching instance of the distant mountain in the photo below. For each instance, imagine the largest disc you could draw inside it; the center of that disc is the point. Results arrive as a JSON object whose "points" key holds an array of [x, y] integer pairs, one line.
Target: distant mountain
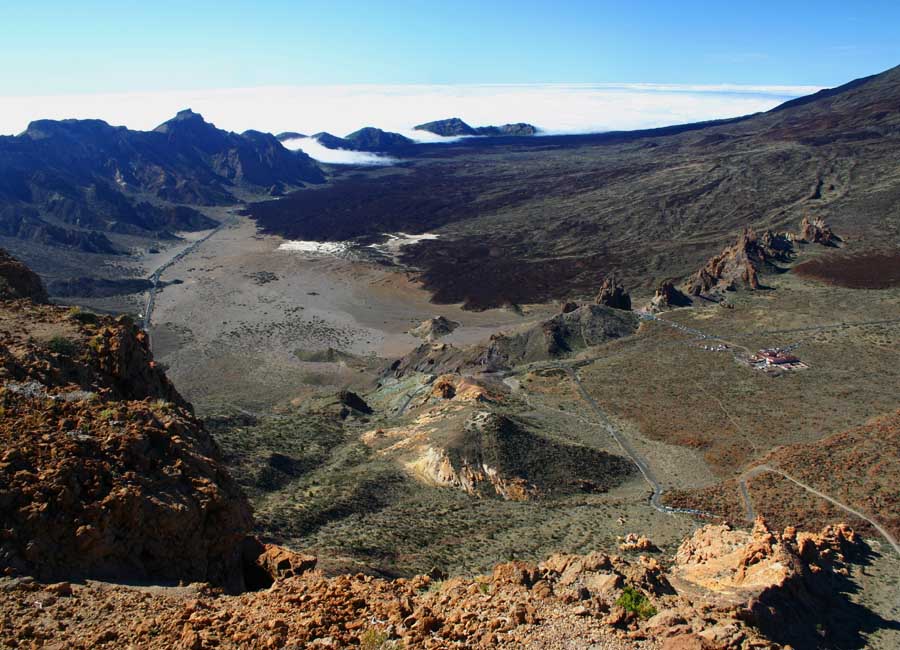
{"points": [[519, 128], [284, 136], [72, 183], [456, 127], [366, 139], [450, 127], [371, 139], [330, 141]]}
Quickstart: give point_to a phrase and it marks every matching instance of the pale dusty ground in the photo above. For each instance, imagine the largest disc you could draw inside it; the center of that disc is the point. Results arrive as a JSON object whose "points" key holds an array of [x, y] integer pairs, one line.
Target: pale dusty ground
{"points": [[244, 307]]}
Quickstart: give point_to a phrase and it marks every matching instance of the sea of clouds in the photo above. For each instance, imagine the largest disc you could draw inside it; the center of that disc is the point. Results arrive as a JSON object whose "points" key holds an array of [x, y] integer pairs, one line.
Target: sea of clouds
{"points": [[554, 108]]}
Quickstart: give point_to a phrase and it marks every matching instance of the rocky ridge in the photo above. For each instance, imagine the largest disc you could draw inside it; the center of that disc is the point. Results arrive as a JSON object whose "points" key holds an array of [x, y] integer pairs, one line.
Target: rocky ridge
{"points": [[620, 602], [740, 265], [76, 183]]}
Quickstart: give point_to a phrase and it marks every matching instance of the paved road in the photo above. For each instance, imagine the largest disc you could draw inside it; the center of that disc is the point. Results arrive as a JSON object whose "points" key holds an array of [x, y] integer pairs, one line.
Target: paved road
{"points": [[761, 469], [630, 451], [157, 274]]}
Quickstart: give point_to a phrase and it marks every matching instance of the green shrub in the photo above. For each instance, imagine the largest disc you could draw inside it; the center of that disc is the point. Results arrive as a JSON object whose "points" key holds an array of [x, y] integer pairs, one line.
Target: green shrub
{"points": [[634, 601], [86, 317], [373, 639], [62, 345]]}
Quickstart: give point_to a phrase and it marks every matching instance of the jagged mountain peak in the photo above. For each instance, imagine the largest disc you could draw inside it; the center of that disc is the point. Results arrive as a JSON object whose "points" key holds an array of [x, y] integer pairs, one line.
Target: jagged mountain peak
{"points": [[187, 120]]}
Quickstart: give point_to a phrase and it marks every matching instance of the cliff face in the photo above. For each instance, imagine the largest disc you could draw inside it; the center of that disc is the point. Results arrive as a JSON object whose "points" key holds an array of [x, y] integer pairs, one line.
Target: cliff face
{"points": [[104, 470]]}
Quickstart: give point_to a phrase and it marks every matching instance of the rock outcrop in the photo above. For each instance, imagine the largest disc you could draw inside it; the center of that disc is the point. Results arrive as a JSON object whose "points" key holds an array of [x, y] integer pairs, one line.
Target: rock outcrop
{"points": [[739, 265], [18, 281], [668, 296], [559, 336], [495, 455], [612, 294], [782, 585], [434, 328], [593, 599], [104, 470], [818, 232]]}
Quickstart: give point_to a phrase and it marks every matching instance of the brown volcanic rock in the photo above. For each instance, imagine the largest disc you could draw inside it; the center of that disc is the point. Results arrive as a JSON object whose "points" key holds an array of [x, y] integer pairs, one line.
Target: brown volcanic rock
{"points": [[122, 489], [104, 470], [818, 232], [739, 265], [613, 294], [782, 584], [566, 601], [65, 350], [667, 296], [18, 281]]}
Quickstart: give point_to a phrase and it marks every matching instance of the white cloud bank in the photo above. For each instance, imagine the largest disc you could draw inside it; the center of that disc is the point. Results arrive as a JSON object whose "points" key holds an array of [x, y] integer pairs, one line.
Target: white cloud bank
{"points": [[555, 108], [323, 154]]}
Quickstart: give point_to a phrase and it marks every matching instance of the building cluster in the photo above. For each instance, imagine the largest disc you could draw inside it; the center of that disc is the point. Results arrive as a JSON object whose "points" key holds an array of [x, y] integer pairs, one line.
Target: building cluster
{"points": [[776, 359]]}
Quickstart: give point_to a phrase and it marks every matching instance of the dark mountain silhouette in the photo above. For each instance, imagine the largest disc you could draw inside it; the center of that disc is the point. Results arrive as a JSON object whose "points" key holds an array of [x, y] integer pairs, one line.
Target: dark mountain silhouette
{"points": [[450, 127], [366, 139], [289, 135], [371, 139], [455, 127], [519, 128], [71, 183]]}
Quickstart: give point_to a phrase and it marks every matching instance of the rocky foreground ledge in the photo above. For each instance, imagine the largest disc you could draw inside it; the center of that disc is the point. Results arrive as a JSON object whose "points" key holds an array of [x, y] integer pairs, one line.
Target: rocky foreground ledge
{"points": [[725, 589]]}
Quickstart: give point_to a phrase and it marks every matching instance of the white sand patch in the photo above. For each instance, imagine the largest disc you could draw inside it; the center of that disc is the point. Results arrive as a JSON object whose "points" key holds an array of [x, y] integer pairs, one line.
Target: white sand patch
{"points": [[396, 241], [315, 247]]}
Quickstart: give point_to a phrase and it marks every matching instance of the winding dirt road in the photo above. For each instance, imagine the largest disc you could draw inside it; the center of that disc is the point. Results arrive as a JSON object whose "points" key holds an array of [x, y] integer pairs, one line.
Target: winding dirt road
{"points": [[761, 469]]}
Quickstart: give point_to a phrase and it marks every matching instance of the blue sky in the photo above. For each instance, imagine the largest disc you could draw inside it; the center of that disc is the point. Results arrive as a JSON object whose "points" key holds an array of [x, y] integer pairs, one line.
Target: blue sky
{"points": [[56, 47]]}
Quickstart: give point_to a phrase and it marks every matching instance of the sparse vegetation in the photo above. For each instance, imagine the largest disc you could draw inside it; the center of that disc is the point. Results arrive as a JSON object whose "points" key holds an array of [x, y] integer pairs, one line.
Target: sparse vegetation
{"points": [[62, 345], [374, 639], [82, 316], [633, 600]]}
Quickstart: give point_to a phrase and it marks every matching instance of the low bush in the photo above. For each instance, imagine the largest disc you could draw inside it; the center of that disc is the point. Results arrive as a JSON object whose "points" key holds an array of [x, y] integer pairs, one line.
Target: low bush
{"points": [[62, 345], [634, 601]]}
